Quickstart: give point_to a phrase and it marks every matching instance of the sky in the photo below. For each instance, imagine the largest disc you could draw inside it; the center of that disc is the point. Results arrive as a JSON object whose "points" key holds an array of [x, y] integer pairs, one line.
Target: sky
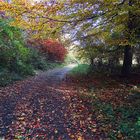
{"points": [[37, 0]]}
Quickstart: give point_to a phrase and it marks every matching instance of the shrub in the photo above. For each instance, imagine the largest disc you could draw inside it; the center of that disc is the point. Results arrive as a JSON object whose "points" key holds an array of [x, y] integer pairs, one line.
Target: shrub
{"points": [[37, 60], [54, 50], [14, 56]]}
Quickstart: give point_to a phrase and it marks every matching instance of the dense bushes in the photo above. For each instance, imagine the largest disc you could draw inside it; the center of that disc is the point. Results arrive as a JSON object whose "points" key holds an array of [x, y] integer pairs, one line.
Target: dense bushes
{"points": [[14, 56]]}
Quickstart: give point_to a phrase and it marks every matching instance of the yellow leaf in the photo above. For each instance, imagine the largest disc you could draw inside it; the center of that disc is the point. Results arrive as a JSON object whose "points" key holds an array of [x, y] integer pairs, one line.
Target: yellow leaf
{"points": [[80, 138]]}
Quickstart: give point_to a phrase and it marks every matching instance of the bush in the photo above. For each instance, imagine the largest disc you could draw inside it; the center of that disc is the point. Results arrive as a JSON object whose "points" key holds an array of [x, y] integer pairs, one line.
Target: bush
{"points": [[14, 56], [6, 77], [54, 50], [37, 60]]}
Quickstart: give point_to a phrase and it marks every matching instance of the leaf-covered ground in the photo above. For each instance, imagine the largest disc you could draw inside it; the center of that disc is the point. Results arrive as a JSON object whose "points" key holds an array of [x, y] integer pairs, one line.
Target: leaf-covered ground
{"points": [[42, 108], [114, 102], [49, 107]]}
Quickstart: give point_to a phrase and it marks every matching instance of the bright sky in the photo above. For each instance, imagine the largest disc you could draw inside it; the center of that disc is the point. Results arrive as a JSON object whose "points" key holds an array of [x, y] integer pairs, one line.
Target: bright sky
{"points": [[37, 0]]}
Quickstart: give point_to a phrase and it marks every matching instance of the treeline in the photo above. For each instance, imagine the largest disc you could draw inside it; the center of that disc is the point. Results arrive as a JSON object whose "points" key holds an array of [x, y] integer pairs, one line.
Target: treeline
{"points": [[109, 59]]}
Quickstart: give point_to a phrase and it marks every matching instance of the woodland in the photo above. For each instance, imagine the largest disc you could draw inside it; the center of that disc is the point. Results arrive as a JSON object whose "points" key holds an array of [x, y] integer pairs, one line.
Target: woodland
{"points": [[69, 69]]}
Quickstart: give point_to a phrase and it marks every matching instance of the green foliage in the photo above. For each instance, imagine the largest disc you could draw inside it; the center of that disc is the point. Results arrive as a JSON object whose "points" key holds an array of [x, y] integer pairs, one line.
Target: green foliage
{"points": [[14, 56], [104, 25], [70, 59], [6, 77], [52, 65], [81, 69], [16, 60], [37, 60]]}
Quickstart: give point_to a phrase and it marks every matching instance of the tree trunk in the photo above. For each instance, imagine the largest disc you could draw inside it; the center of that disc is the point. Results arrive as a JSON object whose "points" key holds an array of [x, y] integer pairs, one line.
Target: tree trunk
{"points": [[127, 63], [91, 62]]}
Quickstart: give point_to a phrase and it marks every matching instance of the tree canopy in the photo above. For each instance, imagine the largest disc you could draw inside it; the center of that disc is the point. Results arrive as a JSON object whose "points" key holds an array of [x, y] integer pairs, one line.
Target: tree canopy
{"points": [[114, 22]]}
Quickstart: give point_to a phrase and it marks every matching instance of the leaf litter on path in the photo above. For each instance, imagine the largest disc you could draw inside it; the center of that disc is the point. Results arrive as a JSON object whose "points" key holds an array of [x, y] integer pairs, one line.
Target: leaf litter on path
{"points": [[38, 109]]}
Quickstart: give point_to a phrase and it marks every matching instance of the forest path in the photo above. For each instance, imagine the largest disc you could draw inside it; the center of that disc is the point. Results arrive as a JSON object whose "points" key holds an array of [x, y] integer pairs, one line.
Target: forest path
{"points": [[44, 108], [56, 75]]}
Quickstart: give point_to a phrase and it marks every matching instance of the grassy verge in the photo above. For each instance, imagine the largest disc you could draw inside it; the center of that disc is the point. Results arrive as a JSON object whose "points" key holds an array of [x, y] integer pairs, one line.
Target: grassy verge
{"points": [[81, 69]]}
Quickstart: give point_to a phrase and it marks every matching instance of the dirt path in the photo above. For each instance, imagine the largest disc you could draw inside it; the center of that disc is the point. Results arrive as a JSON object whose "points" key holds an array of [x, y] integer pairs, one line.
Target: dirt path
{"points": [[57, 75], [42, 108]]}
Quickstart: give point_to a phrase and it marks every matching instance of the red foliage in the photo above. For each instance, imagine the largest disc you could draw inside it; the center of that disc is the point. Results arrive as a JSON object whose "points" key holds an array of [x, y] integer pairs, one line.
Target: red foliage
{"points": [[54, 49]]}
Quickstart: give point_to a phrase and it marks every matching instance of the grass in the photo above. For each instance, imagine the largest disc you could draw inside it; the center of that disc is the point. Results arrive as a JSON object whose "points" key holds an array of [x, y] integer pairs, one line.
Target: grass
{"points": [[81, 69]]}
